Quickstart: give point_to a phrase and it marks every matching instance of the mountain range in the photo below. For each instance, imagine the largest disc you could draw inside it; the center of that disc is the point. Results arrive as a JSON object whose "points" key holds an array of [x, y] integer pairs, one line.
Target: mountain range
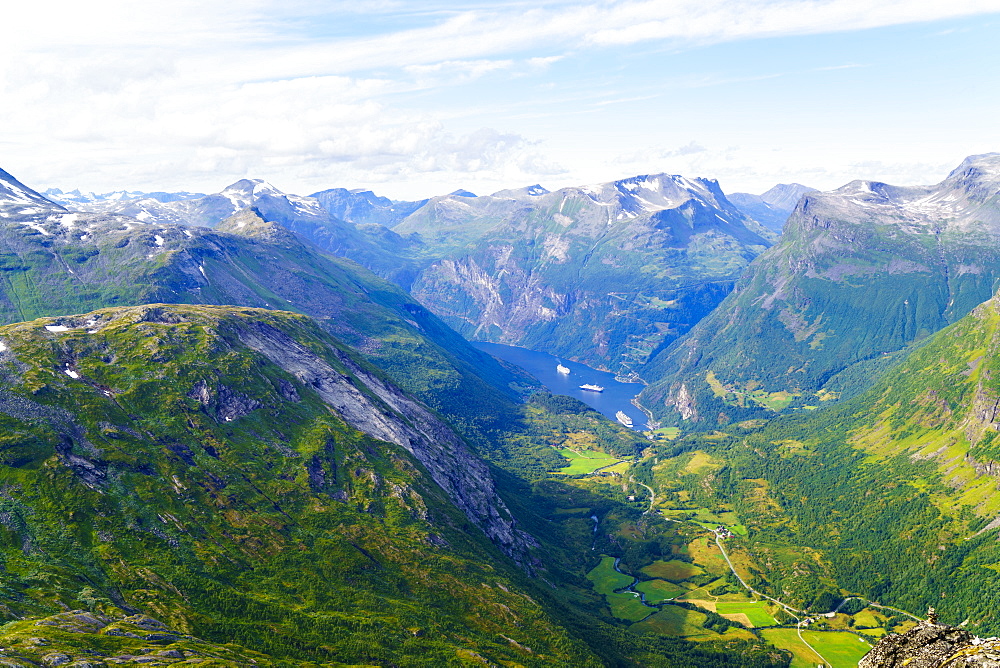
{"points": [[249, 425], [203, 467], [645, 257], [860, 273]]}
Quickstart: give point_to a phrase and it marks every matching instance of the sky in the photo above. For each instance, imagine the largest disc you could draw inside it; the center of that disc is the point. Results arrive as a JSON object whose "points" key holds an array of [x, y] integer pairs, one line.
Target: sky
{"points": [[413, 99]]}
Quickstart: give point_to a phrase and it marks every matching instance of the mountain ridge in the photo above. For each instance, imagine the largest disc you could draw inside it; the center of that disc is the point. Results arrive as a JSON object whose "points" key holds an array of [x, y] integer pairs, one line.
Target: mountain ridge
{"points": [[860, 272]]}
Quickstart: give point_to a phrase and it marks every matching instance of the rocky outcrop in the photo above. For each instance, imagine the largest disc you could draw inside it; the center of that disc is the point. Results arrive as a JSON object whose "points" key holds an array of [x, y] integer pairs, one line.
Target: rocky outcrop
{"points": [[932, 645], [372, 405]]}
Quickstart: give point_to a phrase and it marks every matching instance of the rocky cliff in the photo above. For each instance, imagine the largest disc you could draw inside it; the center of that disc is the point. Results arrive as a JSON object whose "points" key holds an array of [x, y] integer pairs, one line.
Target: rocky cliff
{"points": [[606, 273], [932, 645]]}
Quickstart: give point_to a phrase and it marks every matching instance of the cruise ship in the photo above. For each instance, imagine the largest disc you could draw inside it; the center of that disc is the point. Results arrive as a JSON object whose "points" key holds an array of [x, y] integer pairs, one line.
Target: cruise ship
{"points": [[592, 388], [624, 419], [562, 369]]}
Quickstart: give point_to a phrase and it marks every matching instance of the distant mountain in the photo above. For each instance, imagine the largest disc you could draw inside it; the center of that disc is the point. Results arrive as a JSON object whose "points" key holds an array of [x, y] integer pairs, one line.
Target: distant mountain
{"points": [[54, 262], [376, 248], [860, 272], [76, 197], [363, 207], [772, 208], [18, 200], [605, 274]]}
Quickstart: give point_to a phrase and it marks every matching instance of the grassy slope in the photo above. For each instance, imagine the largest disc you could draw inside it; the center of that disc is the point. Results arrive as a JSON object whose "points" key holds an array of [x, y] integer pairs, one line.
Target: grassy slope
{"points": [[283, 529], [890, 494]]}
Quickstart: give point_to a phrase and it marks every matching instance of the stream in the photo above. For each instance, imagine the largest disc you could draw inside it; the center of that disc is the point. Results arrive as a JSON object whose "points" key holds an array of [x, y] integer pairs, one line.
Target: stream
{"points": [[631, 589]]}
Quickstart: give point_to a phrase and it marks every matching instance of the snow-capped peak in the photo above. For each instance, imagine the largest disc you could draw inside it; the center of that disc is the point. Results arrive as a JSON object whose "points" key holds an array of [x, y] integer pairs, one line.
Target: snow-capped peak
{"points": [[18, 199]]}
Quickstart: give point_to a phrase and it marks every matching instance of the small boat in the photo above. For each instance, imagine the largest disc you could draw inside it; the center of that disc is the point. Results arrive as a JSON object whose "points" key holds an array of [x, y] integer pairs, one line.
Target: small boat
{"points": [[592, 388], [624, 419], [562, 369]]}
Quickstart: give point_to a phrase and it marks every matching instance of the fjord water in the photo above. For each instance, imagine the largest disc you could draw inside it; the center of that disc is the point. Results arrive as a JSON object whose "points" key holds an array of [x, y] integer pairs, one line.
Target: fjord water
{"points": [[617, 396]]}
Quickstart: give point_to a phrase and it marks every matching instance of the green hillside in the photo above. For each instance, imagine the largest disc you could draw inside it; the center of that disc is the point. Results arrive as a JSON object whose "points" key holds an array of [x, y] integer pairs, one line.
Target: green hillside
{"points": [[153, 461], [228, 486], [891, 495], [860, 273]]}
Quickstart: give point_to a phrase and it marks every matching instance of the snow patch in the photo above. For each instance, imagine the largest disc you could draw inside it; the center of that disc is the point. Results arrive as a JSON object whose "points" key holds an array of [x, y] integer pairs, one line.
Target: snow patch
{"points": [[201, 268], [39, 228], [3, 346], [158, 239], [57, 328], [71, 373], [188, 233]]}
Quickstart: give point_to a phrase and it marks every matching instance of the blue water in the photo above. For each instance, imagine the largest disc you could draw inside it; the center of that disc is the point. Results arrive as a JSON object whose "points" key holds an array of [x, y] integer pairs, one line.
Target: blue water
{"points": [[615, 397]]}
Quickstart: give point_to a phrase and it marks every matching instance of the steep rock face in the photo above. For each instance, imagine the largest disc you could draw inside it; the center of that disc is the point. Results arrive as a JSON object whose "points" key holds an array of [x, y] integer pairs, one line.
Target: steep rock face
{"points": [[930, 645], [605, 274], [860, 272], [392, 416]]}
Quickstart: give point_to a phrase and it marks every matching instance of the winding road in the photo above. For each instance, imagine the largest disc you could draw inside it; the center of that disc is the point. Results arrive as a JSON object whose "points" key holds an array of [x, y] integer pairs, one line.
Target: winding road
{"points": [[793, 612]]}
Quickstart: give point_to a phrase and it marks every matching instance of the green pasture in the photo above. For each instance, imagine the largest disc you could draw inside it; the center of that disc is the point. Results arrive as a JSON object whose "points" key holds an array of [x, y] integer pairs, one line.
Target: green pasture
{"points": [[840, 649], [755, 611], [674, 621], [673, 570], [585, 461], [628, 606], [606, 579], [659, 591]]}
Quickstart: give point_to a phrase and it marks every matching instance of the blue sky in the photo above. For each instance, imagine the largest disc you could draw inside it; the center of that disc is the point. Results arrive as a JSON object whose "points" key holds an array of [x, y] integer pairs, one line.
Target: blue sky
{"points": [[415, 99]]}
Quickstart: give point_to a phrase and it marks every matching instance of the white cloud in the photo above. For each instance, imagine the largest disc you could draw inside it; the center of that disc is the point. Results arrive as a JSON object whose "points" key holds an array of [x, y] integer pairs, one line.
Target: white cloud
{"points": [[191, 93]]}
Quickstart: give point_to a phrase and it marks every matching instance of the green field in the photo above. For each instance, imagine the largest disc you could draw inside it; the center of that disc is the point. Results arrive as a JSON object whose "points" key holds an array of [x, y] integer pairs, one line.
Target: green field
{"points": [[627, 605], [585, 461], [674, 621], [840, 649], [755, 611], [624, 605], [659, 591], [673, 570], [669, 433], [606, 579]]}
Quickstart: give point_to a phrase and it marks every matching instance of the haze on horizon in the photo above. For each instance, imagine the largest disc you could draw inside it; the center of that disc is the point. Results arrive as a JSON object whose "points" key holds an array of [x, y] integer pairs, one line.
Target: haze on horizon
{"points": [[416, 99]]}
